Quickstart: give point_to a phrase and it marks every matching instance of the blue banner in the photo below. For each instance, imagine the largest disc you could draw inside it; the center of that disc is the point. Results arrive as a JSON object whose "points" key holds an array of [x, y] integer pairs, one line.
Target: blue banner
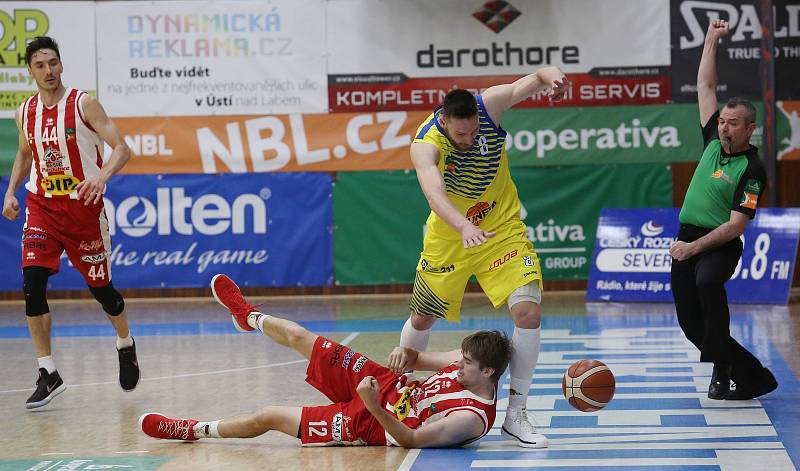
{"points": [[177, 231], [632, 262]]}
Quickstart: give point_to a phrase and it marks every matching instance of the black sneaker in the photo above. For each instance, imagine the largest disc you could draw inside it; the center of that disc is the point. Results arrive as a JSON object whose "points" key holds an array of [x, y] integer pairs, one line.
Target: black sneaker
{"points": [[48, 386], [720, 382], [765, 385], [128, 368]]}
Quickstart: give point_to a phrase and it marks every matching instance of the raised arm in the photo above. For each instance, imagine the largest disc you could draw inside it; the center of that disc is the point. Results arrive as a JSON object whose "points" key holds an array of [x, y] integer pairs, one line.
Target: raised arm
{"points": [[455, 429], [425, 158], [707, 71], [22, 167], [91, 189], [502, 97]]}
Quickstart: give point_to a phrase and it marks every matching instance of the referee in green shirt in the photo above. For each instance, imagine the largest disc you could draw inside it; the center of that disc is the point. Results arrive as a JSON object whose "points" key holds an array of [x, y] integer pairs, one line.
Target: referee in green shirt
{"points": [[721, 199]]}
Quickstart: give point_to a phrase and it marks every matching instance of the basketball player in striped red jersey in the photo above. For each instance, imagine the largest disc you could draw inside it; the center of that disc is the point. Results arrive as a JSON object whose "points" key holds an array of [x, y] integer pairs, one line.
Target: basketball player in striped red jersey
{"points": [[371, 404], [61, 135]]}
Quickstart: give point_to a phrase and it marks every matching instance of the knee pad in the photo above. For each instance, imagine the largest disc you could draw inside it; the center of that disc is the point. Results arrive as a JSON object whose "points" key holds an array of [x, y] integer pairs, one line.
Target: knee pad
{"points": [[34, 286], [530, 292], [109, 298]]}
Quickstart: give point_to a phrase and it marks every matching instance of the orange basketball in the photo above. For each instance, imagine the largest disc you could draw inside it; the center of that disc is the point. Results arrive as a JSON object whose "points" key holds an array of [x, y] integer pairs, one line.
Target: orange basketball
{"points": [[588, 385]]}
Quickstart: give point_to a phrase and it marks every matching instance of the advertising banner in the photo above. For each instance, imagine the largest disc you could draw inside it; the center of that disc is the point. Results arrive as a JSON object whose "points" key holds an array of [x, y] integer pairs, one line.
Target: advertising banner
{"points": [[283, 143], [788, 132], [71, 24], [177, 231], [739, 53], [632, 263], [195, 58], [380, 217], [368, 92]]}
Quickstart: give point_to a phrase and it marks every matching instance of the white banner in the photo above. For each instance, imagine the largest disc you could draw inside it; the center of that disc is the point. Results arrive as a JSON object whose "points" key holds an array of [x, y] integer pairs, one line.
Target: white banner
{"points": [[423, 38], [71, 24], [192, 58]]}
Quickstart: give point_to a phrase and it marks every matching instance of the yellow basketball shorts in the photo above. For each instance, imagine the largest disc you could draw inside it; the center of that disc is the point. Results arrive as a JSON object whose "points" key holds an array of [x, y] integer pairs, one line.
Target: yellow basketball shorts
{"points": [[501, 265]]}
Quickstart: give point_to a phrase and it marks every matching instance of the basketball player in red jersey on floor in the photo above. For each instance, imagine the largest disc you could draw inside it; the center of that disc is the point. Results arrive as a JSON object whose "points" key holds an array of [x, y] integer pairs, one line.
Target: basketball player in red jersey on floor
{"points": [[61, 135]]}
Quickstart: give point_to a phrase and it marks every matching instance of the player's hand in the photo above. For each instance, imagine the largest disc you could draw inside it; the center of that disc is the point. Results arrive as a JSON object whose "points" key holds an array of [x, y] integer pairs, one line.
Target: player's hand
{"points": [[718, 29], [681, 250], [91, 189], [473, 236], [10, 207], [559, 89], [401, 359], [367, 390]]}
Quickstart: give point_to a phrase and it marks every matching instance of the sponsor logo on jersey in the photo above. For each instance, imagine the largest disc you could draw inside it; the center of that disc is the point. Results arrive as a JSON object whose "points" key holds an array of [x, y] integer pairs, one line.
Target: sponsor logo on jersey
{"points": [[496, 264], [348, 356], [337, 353], [91, 246], [33, 245], [720, 174], [478, 213], [34, 236], [59, 185], [337, 424], [527, 260], [30, 256], [326, 344], [749, 200]]}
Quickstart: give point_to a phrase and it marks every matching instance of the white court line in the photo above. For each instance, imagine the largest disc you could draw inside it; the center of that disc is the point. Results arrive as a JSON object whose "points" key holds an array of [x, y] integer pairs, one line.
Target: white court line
{"points": [[347, 340], [411, 456], [127, 452], [53, 454], [585, 462], [507, 445]]}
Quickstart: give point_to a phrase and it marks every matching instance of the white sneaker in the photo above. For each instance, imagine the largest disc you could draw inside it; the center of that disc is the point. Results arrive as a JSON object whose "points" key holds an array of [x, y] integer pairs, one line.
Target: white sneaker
{"points": [[518, 427]]}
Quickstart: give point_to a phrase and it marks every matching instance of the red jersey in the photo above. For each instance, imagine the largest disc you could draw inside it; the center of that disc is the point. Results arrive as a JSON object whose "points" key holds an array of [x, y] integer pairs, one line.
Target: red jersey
{"points": [[66, 150], [418, 403]]}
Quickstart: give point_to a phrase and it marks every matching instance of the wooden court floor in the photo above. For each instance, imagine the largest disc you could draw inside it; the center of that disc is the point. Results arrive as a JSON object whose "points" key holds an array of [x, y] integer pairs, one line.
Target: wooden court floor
{"points": [[194, 365]]}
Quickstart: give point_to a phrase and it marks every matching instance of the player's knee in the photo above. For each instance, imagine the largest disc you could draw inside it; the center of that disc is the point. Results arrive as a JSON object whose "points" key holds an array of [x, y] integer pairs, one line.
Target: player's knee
{"points": [[34, 286], [422, 321], [109, 298], [524, 305]]}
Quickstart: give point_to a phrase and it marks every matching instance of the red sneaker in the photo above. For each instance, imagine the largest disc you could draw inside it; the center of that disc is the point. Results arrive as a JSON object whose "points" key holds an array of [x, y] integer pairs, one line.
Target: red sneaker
{"points": [[228, 294], [156, 425]]}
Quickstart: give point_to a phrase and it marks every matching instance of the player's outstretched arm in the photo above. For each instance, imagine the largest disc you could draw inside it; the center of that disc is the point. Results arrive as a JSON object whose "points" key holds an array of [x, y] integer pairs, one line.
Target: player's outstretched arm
{"points": [[499, 98], [455, 429], [707, 71], [403, 359]]}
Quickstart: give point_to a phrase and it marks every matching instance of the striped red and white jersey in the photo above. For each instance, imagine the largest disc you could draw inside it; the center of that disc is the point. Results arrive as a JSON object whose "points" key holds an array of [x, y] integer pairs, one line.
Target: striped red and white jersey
{"points": [[418, 403], [66, 150]]}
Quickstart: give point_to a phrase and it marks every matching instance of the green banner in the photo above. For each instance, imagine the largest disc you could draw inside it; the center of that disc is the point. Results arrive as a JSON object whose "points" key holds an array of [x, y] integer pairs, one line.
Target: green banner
{"points": [[607, 135], [379, 217], [8, 145]]}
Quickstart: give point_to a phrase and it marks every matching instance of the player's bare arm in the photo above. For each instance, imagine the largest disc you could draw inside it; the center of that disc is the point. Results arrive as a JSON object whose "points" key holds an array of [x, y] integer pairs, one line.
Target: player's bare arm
{"points": [[728, 231], [91, 189], [707, 71], [457, 428], [21, 168], [403, 359], [425, 158], [499, 98]]}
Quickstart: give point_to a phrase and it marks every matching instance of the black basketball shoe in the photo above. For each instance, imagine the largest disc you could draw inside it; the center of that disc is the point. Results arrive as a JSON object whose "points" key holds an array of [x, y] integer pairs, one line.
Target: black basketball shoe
{"points": [[766, 384], [128, 367], [48, 386], [720, 382]]}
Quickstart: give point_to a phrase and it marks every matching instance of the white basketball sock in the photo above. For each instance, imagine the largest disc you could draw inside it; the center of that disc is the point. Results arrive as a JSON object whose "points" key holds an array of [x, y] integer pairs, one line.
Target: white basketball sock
{"points": [[413, 338], [256, 320], [47, 363], [124, 342], [206, 429], [523, 362]]}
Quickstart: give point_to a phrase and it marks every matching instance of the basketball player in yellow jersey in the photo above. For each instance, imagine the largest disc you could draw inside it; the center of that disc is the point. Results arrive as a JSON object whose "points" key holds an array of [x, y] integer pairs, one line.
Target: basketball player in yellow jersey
{"points": [[475, 228]]}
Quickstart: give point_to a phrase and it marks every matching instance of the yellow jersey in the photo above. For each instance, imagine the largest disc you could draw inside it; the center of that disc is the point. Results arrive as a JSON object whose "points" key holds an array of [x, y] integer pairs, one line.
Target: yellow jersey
{"points": [[477, 180]]}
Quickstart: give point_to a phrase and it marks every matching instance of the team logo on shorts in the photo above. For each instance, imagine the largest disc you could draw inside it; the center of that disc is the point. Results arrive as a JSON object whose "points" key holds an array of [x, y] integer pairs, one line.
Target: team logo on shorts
{"points": [[91, 246], [30, 256], [527, 260], [359, 364], [94, 258], [426, 265]]}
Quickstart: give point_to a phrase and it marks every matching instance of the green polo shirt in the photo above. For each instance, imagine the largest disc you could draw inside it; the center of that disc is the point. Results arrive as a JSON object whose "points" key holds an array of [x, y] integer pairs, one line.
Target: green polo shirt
{"points": [[722, 183]]}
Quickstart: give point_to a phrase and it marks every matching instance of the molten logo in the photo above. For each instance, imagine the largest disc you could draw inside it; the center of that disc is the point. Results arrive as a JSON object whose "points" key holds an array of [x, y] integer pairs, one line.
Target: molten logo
{"points": [[652, 228], [496, 15]]}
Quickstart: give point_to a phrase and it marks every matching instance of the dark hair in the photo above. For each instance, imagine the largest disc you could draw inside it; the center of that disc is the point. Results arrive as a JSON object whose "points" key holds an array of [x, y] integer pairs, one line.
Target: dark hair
{"points": [[459, 104], [38, 43], [490, 348], [749, 109]]}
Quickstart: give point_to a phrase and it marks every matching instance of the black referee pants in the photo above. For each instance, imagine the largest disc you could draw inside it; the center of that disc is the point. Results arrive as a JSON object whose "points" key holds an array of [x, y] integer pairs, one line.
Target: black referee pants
{"points": [[698, 287]]}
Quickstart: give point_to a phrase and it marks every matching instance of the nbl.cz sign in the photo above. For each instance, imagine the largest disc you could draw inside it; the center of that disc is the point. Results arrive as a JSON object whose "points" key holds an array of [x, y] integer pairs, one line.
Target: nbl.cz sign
{"points": [[632, 262]]}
